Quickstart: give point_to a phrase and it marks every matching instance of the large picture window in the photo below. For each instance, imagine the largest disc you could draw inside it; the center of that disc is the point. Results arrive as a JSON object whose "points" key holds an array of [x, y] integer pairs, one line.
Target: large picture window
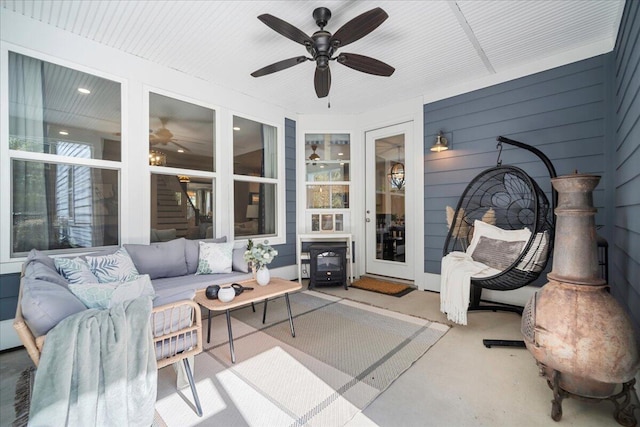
{"points": [[64, 146], [255, 169], [181, 157]]}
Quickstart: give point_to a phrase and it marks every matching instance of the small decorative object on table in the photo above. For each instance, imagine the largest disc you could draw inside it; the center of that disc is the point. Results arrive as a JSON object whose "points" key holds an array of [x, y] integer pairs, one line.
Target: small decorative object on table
{"points": [[226, 294], [258, 256]]}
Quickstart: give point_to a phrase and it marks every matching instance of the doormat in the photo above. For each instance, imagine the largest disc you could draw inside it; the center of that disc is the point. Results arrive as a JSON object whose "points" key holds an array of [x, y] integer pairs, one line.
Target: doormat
{"points": [[382, 287]]}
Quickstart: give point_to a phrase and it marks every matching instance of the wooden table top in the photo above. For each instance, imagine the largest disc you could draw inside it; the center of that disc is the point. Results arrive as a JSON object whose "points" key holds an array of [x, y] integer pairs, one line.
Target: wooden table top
{"points": [[276, 287]]}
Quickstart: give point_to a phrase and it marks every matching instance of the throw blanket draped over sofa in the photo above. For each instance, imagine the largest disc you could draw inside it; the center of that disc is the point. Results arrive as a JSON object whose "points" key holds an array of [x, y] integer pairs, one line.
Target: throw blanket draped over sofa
{"points": [[98, 368]]}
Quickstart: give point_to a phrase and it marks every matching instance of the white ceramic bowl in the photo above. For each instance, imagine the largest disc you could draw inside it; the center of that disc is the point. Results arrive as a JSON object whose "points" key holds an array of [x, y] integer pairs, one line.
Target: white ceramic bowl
{"points": [[226, 294]]}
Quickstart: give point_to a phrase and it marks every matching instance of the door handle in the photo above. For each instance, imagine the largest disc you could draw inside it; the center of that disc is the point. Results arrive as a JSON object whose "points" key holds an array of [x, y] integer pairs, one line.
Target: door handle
{"points": [[368, 220]]}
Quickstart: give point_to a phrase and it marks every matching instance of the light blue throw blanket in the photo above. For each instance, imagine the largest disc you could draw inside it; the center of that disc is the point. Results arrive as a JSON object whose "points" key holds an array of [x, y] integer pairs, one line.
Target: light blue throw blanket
{"points": [[98, 368]]}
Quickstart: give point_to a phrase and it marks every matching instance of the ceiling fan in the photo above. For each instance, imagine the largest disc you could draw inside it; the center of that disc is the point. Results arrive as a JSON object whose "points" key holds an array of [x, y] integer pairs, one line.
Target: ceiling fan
{"points": [[322, 46], [164, 136]]}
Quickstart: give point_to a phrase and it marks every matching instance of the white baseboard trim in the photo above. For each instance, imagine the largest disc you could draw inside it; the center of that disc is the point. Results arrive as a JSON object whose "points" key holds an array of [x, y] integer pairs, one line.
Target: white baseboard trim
{"points": [[289, 272], [8, 336]]}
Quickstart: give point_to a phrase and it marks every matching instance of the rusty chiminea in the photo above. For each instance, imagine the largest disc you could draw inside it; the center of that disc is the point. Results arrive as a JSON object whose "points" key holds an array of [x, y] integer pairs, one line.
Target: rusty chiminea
{"points": [[580, 336]]}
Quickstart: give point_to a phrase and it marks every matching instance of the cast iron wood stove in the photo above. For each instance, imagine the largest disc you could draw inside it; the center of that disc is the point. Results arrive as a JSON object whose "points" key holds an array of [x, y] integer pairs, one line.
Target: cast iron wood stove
{"points": [[328, 265]]}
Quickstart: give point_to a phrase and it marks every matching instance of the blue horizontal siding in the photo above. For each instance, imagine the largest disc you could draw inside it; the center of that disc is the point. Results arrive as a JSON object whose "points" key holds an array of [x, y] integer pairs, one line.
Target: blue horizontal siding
{"points": [[562, 112], [625, 256], [9, 287]]}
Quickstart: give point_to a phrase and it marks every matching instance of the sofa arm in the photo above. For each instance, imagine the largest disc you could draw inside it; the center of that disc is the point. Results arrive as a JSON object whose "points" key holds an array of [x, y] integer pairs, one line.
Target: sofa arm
{"points": [[31, 343], [177, 331]]}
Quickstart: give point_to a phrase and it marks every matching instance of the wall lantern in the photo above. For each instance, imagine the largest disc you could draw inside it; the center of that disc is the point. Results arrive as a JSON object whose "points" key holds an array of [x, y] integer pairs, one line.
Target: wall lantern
{"points": [[441, 143]]}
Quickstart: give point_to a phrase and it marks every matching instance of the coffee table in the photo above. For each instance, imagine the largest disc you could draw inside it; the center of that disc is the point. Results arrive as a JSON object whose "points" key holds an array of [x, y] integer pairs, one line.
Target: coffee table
{"points": [[276, 288]]}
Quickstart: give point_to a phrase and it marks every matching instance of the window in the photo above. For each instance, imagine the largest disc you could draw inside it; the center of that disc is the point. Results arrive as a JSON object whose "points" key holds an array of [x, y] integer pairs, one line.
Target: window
{"points": [[255, 178], [181, 157], [327, 170], [327, 159], [62, 202]]}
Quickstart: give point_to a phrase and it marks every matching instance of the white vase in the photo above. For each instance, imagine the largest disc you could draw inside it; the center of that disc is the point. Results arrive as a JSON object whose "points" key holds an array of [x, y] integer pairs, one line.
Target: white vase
{"points": [[263, 276]]}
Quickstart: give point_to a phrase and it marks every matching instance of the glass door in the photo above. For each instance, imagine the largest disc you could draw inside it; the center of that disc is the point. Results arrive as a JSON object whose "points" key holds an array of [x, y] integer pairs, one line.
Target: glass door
{"points": [[388, 203]]}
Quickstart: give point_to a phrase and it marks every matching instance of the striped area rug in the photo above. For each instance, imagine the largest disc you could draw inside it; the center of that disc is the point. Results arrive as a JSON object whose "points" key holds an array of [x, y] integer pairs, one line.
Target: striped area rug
{"points": [[343, 356]]}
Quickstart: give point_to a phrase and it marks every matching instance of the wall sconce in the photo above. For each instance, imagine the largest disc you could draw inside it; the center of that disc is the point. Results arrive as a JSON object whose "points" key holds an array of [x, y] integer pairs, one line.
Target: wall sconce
{"points": [[157, 158], [441, 143]]}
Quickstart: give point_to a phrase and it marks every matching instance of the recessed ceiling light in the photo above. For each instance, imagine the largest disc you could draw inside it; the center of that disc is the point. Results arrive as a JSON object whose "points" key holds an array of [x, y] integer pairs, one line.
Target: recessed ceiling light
{"points": [[236, 128], [84, 90], [340, 154], [180, 150], [63, 132]]}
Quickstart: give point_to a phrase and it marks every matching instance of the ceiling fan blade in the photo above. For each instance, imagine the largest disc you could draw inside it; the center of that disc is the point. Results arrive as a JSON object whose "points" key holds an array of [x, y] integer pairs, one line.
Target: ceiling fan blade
{"points": [[286, 29], [280, 65], [322, 81], [359, 27], [365, 64]]}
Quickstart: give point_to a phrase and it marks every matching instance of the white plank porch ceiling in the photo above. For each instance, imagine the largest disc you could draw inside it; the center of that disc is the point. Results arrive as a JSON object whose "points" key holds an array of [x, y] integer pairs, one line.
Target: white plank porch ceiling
{"points": [[433, 45]]}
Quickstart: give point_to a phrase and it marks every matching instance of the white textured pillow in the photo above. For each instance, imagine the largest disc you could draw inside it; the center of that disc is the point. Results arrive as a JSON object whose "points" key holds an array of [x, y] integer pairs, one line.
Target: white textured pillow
{"points": [[75, 270], [107, 295], [215, 258], [116, 267], [496, 233], [537, 254]]}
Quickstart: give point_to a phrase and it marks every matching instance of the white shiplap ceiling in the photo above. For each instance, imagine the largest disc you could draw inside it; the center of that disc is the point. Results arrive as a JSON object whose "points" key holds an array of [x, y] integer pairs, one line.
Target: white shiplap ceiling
{"points": [[433, 45]]}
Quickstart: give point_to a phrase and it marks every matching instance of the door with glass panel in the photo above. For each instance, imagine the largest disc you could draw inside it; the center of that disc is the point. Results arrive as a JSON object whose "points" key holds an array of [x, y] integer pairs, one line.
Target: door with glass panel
{"points": [[389, 193]]}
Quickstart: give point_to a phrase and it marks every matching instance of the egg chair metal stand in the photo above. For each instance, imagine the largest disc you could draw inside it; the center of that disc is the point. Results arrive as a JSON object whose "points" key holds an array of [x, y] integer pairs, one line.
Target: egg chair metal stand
{"points": [[517, 201]]}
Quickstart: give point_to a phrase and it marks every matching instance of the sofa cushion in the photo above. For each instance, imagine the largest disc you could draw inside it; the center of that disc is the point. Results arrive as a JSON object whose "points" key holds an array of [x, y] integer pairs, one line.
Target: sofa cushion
{"points": [[192, 252], [40, 266], [238, 263], [107, 295], [117, 267], [162, 259], [169, 285], [215, 258], [44, 304], [75, 270]]}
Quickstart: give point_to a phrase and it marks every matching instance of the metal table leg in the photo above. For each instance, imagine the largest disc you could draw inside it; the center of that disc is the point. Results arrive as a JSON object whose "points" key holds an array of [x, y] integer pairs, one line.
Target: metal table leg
{"points": [[264, 313], [209, 327], [233, 355], [293, 332]]}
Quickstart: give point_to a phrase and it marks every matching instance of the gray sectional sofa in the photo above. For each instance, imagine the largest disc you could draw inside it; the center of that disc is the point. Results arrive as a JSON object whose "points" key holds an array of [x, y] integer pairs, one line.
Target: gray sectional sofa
{"points": [[45, 298]]}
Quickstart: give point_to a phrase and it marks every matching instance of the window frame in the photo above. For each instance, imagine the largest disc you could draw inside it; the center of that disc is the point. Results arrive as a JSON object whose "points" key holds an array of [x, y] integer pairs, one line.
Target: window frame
{"points": [[280, 236], [8, 155], [304, 204], [168, 170]]}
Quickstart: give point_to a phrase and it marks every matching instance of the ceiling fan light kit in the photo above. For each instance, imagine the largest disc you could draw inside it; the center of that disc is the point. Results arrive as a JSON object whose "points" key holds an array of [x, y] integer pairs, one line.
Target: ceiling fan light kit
{"points": [[322, 46]]}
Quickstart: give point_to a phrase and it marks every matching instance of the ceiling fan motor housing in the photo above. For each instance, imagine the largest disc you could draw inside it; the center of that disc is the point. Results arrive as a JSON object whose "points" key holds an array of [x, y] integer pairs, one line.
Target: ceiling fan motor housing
{"points": [[322, 50]]}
